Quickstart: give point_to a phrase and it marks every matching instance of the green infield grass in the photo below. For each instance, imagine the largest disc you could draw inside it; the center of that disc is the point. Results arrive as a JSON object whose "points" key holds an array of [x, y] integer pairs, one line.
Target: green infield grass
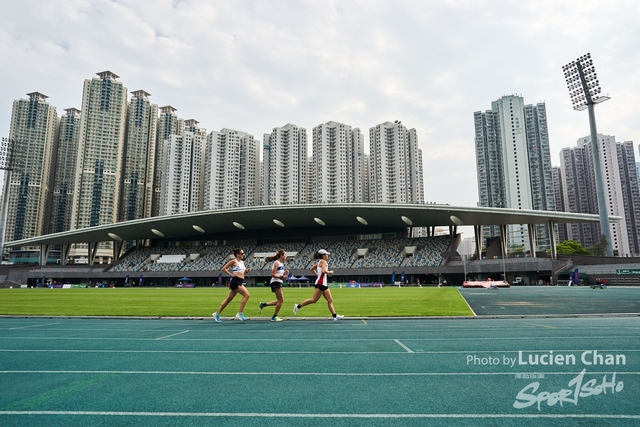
{"points": [[201, 302]]}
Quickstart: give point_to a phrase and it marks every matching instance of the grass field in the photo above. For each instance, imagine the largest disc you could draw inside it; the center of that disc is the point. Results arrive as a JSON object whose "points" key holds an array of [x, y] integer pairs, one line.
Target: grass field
{"points": [[201, 302]]}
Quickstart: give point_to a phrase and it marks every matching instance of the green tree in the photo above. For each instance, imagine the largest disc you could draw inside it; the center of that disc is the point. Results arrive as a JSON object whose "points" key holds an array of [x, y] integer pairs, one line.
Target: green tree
{"points": [[516, 249], [571, 247], [600, 248]]}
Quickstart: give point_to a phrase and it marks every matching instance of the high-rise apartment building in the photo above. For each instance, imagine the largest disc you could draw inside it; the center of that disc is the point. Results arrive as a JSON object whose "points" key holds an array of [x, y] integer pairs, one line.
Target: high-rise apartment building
{"points": [[337, 164], [99, 165], [168, 124], [630, 194], [34, 125], [580, 190], [608, 151], [231, 170], [284, 165], [100, 152], [638, 167], [65, 171], [395, 164], [311, 180], [137, 182], [513, 164], [579, 194], [539, 155], [366, 188], [558, 191], [192, 125], [181, 189]]}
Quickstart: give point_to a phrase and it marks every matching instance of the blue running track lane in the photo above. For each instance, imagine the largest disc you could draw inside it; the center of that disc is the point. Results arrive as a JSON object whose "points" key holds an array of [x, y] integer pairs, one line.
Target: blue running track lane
{"points": [[79, 372], [533, 371]]}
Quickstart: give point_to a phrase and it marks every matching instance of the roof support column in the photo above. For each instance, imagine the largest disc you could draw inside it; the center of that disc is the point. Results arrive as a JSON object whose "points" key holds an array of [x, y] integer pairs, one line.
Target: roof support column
{"points": [[533, 241], [44, 254], [477, 231], [551, 228], [503, 239], [116, 250], [64, 253], [92, 250]]}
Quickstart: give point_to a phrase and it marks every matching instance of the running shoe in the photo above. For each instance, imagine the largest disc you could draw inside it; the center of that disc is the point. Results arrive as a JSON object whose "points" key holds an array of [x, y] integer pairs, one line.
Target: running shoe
{"points": [[338, 317], [276, 319], [295, 309], [240, 316], [262, 305], [216, 317]]}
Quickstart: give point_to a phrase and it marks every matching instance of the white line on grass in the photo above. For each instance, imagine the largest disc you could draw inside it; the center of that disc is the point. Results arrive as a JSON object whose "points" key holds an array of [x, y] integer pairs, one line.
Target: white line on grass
{"points": [[295, 415], [404, 346], [173, 335]]}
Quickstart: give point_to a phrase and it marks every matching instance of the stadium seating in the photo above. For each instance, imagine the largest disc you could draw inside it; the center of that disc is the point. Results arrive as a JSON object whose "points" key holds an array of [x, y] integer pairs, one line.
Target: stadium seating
{"points": [[356, 254]]}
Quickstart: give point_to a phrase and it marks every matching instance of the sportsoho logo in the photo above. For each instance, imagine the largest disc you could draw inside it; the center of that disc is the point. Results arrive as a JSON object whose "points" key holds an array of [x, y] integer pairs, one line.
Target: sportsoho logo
{"points": [[579, 387]]}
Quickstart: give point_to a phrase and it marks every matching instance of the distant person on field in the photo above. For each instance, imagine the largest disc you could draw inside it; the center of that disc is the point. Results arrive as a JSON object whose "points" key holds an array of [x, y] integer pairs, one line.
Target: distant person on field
{"points": [[236, 286], [278, 275], [321, 289]]}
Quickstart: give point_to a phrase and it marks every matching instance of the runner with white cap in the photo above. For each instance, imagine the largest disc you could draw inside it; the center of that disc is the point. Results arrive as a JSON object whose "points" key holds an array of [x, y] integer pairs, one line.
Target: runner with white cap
{"points": [[321, 289]]}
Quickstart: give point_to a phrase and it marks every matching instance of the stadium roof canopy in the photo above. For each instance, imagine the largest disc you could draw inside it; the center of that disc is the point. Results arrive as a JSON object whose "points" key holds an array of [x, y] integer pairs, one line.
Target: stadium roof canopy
{"points": [[355, 218]]}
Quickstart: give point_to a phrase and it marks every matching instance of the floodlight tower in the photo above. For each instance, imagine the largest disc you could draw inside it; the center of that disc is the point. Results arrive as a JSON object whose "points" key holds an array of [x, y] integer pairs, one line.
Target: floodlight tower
{"points": [[585, 92]]}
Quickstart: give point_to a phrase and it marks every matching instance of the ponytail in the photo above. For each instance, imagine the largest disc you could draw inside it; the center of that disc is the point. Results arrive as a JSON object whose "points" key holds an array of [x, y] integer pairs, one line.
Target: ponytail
{"points": [[278, 254]]}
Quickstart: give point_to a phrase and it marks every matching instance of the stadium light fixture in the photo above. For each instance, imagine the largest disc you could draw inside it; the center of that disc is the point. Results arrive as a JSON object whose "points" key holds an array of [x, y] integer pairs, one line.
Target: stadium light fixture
{"points": [[585, 92], [583, 83], [115, 237], [406, 220]]}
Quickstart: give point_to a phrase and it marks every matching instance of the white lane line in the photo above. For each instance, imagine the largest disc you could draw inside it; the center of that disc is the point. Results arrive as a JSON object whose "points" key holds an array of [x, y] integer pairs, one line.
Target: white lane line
{"points": [[173, 335], [404, 346], [333, 340], [443, 352], [542, 326], [34, 326], [315, 374], [315, 415]]}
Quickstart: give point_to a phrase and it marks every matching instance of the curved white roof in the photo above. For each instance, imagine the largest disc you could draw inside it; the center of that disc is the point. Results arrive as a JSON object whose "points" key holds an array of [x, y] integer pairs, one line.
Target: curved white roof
{"points": [[353, 217]]}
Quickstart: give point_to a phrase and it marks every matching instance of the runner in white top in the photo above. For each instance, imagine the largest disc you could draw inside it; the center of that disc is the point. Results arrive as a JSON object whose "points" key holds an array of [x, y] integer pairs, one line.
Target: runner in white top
{"points": [[321, 289], [278, 275], [236, 286]]}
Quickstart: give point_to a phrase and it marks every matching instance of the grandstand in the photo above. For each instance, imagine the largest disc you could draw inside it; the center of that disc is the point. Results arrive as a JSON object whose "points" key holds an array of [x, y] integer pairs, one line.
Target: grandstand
{"points": [[368, 243], [351, 257]]}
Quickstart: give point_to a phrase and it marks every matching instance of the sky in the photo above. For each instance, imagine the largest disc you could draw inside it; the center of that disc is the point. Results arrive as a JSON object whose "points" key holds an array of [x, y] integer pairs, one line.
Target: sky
{"points": [[252, 66]]}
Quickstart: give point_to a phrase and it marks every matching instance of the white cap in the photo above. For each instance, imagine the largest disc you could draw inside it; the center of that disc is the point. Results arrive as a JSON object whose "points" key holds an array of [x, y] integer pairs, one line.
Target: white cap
{"points": [[323, 252]]}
